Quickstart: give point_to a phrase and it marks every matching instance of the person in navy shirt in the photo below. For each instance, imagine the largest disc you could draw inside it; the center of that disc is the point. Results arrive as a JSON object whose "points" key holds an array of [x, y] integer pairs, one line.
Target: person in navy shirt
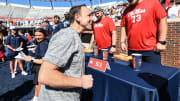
{"points": [[47, 26], [14, 42], [66, 21], [58, 25], [25, 41], [42, 45]]}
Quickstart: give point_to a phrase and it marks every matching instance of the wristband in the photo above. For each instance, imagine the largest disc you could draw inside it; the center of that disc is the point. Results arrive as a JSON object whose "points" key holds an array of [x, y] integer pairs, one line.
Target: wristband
{"points": [[32, 60], [162, 42]]}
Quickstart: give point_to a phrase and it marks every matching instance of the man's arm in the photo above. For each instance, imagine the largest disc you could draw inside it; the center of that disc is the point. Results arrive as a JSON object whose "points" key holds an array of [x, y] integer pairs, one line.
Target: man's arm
{"points": [[114, 39], [9, 46], [91, 42], [49, 75], [37, 61], [123, 38], [163, 29], [162, 34]]}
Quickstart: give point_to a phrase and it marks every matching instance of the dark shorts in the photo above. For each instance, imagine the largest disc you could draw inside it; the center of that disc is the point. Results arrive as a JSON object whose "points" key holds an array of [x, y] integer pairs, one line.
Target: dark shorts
{"points": [[11, 55], [149, 56], [36, 68]]}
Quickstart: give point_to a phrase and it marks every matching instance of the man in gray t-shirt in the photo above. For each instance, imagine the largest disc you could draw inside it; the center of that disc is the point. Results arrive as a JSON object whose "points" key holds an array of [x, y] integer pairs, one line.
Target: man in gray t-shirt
{"points": [[62, 72]]}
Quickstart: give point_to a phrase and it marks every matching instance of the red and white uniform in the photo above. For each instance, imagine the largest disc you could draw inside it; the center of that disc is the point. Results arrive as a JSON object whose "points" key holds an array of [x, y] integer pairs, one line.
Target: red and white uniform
{"points": [[102, 32], [141, 23]]}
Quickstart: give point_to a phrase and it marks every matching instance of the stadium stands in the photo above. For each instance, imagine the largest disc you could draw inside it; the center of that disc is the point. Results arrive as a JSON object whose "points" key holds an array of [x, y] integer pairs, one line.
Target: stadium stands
{"points": [[33, 13]]}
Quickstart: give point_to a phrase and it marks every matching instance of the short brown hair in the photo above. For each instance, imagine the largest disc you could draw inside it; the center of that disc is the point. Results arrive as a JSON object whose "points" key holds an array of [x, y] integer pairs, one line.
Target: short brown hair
{"points": [[74, 10], [56, 16]]}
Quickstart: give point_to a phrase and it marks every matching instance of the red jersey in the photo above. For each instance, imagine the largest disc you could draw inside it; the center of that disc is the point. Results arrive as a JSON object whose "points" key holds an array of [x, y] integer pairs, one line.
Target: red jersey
{"points": [[102, 32], [141, 24]]}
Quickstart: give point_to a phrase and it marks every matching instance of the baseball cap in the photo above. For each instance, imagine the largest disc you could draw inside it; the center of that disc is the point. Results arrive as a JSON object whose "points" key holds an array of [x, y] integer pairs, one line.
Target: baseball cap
{"points": [[66, 13], [97, 9], [13, 28]]}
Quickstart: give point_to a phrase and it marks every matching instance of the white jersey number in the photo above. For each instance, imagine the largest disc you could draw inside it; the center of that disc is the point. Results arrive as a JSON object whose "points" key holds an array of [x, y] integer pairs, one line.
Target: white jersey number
{"points": [[136, 18]]}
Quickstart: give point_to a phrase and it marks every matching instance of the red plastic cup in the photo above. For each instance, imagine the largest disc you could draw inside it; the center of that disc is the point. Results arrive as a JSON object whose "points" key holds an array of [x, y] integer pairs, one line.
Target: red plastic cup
{"points": [[105, 54], [137, 61], [96, 49]]}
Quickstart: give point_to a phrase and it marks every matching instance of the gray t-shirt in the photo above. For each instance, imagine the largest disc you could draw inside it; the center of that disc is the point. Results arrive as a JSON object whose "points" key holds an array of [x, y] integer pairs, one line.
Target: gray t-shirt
{"points": [[65, 50]]}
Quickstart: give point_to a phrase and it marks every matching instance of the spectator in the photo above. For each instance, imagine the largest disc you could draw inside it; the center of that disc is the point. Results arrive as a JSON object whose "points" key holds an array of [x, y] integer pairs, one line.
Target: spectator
{"points": [[57, 24], [118, 10], [113, 14], [14, 23], [24, 40], [47, 26], [141, 21], [62, 70], [104, 32], [13, 42], [40, 37], [66, 21], [173, 10]]}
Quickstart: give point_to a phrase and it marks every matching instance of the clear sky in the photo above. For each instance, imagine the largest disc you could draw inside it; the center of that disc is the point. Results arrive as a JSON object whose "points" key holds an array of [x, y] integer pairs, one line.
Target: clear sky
{"points": [[58, 4]]}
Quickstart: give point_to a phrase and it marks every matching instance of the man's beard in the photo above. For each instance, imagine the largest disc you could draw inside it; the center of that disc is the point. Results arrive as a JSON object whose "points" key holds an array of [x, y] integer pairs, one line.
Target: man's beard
{"points": [[99, 18]]}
